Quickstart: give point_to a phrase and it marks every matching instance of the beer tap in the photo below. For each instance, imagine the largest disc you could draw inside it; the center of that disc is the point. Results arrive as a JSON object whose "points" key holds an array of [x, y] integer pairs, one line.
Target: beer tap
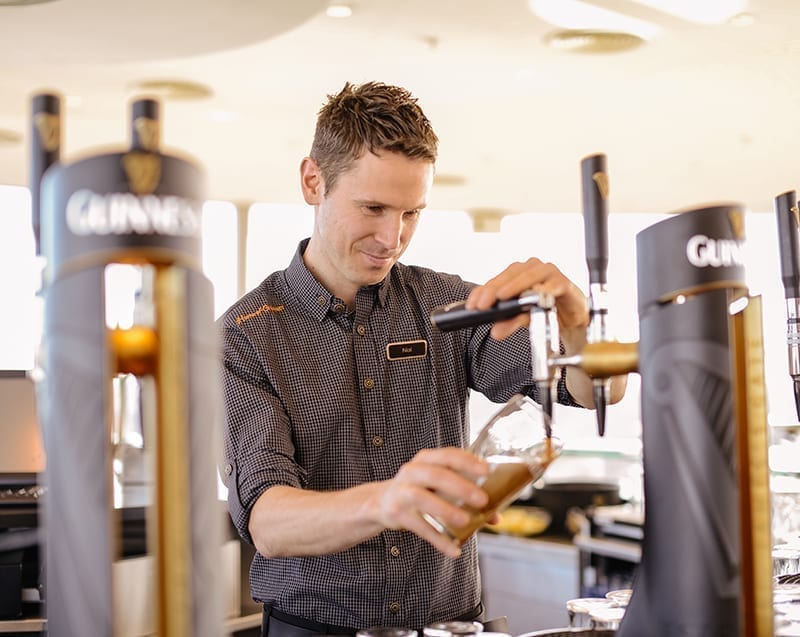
{"points": [[788, 223], [594, 184], [600, 358], [45, 150], [543, 330], [136, 211]]}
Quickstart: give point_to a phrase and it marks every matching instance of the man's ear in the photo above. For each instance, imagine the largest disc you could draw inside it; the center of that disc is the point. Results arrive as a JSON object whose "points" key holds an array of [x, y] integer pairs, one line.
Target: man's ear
{"points": [[311, 181]]}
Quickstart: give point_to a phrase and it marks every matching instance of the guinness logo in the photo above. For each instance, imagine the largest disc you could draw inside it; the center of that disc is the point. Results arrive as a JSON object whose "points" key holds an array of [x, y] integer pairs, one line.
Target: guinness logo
{"points": [[143, 171], [601, 179], [737, 223], [706, 252], [48, 127], [148, 132], [123, 213]]}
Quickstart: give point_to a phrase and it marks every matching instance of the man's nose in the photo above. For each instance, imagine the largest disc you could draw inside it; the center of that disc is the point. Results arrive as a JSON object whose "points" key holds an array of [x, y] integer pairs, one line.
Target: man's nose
{"points": [[390, 231]]}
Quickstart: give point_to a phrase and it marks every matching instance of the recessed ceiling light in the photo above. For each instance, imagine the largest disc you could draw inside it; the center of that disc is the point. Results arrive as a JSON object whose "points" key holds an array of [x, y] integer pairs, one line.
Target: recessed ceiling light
{"points": [[9, 137], [449, 179], [742, 20], [586, 41], [337, 10], [577, 15], [173, 89]]}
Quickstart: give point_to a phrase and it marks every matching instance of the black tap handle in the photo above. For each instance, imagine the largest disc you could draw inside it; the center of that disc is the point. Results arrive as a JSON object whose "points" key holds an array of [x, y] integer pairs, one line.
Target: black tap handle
{"points": [[455, 316], [145, 125], [788, 222], [594, 184], [45, 143]]}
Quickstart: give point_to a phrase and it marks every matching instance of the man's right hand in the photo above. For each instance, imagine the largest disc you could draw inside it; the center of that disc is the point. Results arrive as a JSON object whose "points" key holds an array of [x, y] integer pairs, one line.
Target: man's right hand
{"points": [[430, 483]]}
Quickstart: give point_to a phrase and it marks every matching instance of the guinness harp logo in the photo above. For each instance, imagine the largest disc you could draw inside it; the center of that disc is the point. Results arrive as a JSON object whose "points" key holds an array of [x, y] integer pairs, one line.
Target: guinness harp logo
{"points": [[601, 179], [794, 210], [143, 171], [147, 130], [48, 127], [737, 223]]}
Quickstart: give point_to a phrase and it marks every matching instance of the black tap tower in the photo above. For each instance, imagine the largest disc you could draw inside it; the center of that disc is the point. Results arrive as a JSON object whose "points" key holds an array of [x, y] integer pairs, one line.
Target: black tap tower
{"points": [[706, 561], [788, 219], [141, 209]]}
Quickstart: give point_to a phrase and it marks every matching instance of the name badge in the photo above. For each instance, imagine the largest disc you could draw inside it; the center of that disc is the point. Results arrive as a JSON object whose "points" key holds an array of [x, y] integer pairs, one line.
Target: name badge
{"points": [[406, 349]]}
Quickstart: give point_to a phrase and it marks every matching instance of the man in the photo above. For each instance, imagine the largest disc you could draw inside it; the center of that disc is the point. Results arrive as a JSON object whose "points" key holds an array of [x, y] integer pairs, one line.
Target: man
{"points": [[347, 410]]}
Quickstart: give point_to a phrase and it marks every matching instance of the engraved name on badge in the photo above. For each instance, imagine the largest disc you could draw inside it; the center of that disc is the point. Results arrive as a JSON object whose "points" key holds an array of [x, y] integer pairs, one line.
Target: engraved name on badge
{"points": [[403, 350]]}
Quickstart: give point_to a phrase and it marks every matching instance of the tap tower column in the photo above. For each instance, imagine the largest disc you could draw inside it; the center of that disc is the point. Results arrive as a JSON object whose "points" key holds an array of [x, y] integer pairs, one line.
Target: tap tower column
{"points": [[126, 305], [705, 568]]}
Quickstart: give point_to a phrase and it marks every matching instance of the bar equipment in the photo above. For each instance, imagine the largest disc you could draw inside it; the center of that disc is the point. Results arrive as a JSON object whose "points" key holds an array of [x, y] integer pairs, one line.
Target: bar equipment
{"points": [[21, 459], [594, 182], [45, 135], [788, 219], [706, 566], [129, 383], [543, 335], [601, 357]]}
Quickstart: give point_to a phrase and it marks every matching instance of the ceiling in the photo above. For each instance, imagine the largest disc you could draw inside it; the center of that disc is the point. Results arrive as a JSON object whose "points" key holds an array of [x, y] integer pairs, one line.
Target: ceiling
{"points": [[702, 113]]}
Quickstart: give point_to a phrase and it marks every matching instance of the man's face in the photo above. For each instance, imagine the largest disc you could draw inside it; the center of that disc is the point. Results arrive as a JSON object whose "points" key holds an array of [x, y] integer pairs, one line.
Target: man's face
{"points": [[364, 224]]}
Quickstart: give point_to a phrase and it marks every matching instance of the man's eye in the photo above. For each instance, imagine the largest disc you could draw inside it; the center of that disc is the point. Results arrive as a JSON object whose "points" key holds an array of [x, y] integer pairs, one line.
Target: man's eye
{"points": [[375, 209]]}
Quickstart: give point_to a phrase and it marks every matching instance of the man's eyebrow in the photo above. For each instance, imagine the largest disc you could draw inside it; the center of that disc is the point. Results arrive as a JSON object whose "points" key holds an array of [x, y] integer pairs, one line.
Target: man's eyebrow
{"points": [[375, 202]]}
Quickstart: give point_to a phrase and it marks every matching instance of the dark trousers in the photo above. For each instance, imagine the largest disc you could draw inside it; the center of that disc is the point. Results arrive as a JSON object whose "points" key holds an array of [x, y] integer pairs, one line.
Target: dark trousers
{"points": [[274, 623]]}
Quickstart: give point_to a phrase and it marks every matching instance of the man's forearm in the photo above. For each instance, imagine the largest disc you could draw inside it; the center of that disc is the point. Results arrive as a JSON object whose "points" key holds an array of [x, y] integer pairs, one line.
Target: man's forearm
{"points": [[286, 521]]}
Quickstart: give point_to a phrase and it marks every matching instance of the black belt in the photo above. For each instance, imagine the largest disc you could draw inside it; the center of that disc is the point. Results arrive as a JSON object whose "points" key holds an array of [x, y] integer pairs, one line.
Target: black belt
{"points": [[300, 626], [307, 625]]}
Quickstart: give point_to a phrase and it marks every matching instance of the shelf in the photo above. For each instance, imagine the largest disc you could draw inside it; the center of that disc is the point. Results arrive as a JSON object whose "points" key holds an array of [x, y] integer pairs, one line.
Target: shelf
{"points": [[39, 624], [618, 549]]}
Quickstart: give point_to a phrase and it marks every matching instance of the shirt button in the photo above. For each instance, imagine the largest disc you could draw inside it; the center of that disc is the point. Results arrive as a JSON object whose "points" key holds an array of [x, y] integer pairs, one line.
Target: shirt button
{"points": [[369, 383], [339, 308], [361, 330], [395, 551], [228, 469], [394, 608], [377, 441], [321, 300]]}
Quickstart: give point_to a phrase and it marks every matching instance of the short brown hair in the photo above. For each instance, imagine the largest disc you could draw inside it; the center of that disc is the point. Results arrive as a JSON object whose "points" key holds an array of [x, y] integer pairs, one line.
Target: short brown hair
{"points": [[372, 116]]}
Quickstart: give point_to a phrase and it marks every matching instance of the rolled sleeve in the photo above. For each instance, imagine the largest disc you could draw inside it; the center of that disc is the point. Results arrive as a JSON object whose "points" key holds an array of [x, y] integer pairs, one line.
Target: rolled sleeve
{"points": [[258, 444]]}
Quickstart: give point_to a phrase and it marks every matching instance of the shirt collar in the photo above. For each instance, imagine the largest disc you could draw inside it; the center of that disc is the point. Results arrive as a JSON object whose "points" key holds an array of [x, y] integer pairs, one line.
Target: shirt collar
{"points": [[311, 293]]}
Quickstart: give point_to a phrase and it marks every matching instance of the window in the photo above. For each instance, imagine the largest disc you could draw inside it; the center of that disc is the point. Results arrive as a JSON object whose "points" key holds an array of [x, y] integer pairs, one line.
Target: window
{"points": [[20, 318], [444, 241]]}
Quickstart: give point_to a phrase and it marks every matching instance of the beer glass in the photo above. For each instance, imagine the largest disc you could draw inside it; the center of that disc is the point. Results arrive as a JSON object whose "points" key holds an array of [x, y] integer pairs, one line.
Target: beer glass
{"points": [[453, 629], [518, 452], [578, 610]]}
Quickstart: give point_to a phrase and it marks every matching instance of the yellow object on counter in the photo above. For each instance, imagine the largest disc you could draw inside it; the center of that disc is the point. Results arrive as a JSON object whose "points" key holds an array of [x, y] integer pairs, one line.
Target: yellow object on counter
{"points": [[522, 521]]}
